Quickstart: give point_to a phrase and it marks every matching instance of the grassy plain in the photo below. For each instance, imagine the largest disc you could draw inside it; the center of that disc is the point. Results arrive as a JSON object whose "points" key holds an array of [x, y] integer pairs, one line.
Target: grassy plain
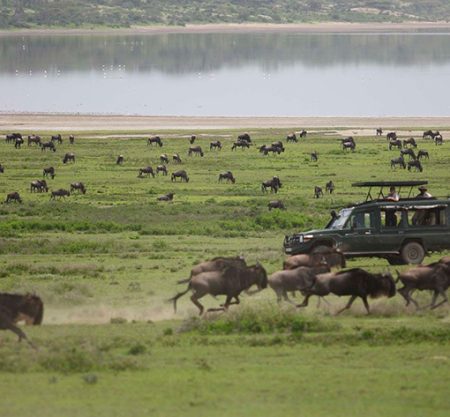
{"points": [[105, 263]]}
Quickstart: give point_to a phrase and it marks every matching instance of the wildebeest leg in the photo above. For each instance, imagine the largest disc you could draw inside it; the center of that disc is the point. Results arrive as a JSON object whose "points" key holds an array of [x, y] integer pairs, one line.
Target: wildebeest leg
{"points": [[435, 295], [223, 306], [366, 304], [195, 301], [305, 301], [405, 292], [286, 298], [7, 324], [349, 304], [176, 297]]}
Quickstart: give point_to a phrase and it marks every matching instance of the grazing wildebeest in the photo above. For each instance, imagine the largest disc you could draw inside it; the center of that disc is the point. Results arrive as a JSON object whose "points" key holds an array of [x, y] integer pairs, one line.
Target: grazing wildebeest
{"points": [[146, 171], [50, 171], [396, 143], [245, 137], [34, 139], [120, 160], [398, 161], [331, 257], [48, 145], [318, 191], [161, 168], [192, 139], [196, 150], [274, 149], [278, 144], [60, 193], [166, 197], [355, 282], [429, 134], [78, 186], [434, 277], [411, 141], [39, 186], [14, 196], [276, 204], [164, 158], [438, 140], [379, 131], [57, 138], [182, 174], [391, 136], [18, 143], [71, 139], [348, 139], [329, 187], [303, 133], [176, 158], [274, 184], [314, 156], [215, 145], [240, 144], [2, 169], [155, 140], [70, 156], [230, 282], [423, 154], [292, 137], [408, 152], [228, 176], [415, 164], [13, 136]]}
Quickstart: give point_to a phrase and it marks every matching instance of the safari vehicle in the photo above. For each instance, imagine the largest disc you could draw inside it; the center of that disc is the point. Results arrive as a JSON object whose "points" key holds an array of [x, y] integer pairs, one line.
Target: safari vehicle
{"points": [[402, 232]]}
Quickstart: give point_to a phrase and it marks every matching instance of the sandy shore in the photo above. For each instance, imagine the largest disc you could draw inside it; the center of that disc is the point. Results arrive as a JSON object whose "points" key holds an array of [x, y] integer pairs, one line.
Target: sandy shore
{"points": [[68, 122]]}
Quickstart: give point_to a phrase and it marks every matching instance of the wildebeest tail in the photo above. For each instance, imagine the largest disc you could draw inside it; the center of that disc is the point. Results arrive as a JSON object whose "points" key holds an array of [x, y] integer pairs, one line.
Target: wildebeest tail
{"points": [[176, 297], [183, 281]]}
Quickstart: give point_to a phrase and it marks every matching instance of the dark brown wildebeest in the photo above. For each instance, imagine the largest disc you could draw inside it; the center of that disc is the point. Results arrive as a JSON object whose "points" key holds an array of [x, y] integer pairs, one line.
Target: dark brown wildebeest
{"points": [[274, 184], [69, 156], [276, 204], [2, 169], [18, 143], [196, 150], [14, 196], [318, 192], [12, 137], [379, 131], [429, 134], [50, 171], [39, 186], [182, 174], [348, 139], [416, 165], [274, 149], [411, 141], [215, 145], [34, 139], [355, 282], [438, 140], [228, 176], [303, 133], [71, 139], [146, 171], [48, 145], [292, 137], [349, 145], [423, 154], [408, 152], [240, 144], [60, 193], [434, 277], [176, 158], [397, 143], [329, 187], [314, 156], [166, 197], [192, 139], [245, 137], [331, 257], [278, 144], [57, 138], [155, 140], [164, 159], [120, 160], [78, 186], [391, 136], [161, 168], [230, 282], [398, 161]]}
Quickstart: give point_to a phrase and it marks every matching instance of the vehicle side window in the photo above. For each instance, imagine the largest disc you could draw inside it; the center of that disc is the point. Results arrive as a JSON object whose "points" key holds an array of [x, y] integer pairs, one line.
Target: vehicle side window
{"points": [[427, 217], [360, 221], [393, 218]]}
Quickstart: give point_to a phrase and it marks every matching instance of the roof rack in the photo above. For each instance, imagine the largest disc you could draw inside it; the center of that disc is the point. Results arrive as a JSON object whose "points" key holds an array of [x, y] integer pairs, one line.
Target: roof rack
{"points": [[383, 184]]}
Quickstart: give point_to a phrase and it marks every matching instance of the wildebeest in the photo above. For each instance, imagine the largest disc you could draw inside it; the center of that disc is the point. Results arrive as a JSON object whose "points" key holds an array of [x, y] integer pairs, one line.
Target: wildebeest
{"points": [[303, 133], [396, 143], [415, 164], [292, 137], [430, 134], [176, 158], [245, 137], [276, 204], [331, 257], [391, 136], [34, 139], [355, 282], [274, 184], [146, 171], [434, 277], [60, 193], [411, 141], [48, 145], [329, 187], [240, 144], [274, 149], [161, 168], [78, 186], [230, 282], [379, 131], [18, 143], [348, 139], [70, 156], [120, 160], [438, 140], [196, 150], [166, 197], [398, 161], [182, 174], [164, 158], [71, 139], [2, 169], [278, 144], [57, 138], [423, 154], [314, 156], [13, 136], [155, 140], [228, 176], [408, 152], [14, 196], [215, 145], [318, 192], [192, 139], [39, 186], [50, 171]]}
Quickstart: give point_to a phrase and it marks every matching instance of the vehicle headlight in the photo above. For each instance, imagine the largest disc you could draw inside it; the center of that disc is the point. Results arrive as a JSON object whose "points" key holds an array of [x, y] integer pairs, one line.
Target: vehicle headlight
{"points": [[307, 237]]}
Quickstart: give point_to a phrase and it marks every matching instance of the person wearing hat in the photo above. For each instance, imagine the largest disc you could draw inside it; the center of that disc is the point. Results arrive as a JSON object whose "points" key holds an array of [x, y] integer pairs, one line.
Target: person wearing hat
{"points": [[423, 192]]}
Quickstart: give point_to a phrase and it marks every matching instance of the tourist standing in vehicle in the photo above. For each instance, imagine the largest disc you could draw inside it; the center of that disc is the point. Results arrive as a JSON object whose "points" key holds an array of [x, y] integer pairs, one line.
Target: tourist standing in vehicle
{"points": [[423, 192], [393, 195]]}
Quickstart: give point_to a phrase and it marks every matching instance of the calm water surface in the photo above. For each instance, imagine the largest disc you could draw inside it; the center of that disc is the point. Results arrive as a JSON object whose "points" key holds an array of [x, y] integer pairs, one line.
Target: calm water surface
{"points": [[228, 74]]}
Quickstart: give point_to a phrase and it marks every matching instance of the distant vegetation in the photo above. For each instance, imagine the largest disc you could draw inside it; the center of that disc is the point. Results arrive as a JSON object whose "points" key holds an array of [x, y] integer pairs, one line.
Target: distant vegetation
{"points": [[125, 13]]}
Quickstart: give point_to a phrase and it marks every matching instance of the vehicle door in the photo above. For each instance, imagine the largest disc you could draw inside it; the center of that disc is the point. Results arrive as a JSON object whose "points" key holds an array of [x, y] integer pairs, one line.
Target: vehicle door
{"points": [[360, 233], [393, 227]]}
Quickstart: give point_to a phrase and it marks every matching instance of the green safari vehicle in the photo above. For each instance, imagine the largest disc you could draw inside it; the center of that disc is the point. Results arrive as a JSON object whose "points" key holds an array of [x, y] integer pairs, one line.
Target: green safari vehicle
{"points": [[402, 231]]}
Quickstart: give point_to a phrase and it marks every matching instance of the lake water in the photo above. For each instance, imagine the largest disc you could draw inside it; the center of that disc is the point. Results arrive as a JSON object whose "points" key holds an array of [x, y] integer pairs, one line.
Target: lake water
{"points": [[246, 74]]}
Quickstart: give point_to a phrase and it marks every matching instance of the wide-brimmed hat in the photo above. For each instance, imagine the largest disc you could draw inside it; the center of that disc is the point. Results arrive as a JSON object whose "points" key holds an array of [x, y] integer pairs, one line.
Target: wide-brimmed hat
{"points": [[423, 188]]}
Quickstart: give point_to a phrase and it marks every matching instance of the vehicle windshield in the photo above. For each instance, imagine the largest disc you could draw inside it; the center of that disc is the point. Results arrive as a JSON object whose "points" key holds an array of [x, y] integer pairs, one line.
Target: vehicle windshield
{"points": [[340, 220]]}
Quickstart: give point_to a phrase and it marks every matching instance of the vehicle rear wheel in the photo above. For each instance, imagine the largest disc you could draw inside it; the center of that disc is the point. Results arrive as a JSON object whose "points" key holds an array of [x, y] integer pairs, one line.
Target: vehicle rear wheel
{"points": [[413, 253]]}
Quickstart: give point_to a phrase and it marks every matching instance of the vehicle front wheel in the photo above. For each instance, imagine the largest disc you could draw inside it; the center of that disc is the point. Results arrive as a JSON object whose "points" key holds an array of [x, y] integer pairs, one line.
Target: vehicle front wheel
{"points": [[413, 253]]}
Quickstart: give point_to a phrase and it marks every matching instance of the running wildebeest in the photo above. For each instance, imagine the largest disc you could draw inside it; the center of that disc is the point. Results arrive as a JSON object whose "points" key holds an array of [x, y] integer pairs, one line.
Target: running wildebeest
{"points": [[230, 282], [408, 152], [429, 134], [244, 137], [196, 150], [2, 169], [329, 187], [415, 164], [411, 141], [434, 277], [391, 136], [379, 131], [18, 143], [155, 140], [34, 139], [292, 137], [14, 196], [176, 158], [60, 193], [332, 258], [71, 139], [70, 156], [240, 144], [50, 171], [438, 140], [39, 186], [48, 145], [192, 139], [303, 133], [57, 138], [355, 282], [423, 154], [146, 171], [318, 192], [396, 143], [398, 161], [78, 186], [276, 204], [182, 174], [215, 145], [274, 184], [314, 156], [228, 176], [166, 197], [164, 158], [161, 168], [120, 160]]}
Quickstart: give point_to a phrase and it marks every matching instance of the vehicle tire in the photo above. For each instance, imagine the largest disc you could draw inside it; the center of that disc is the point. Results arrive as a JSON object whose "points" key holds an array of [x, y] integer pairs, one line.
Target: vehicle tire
{"points": [[321, 249], [413, 253], [395, 260]]}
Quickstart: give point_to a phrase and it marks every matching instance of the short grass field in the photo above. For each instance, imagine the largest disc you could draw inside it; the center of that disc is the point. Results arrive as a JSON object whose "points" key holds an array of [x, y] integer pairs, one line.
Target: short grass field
{"points": [[106, 262]]}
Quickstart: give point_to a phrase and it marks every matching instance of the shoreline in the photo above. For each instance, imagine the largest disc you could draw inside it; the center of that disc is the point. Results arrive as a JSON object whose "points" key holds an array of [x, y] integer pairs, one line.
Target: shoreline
{"points": [[322, 27]]}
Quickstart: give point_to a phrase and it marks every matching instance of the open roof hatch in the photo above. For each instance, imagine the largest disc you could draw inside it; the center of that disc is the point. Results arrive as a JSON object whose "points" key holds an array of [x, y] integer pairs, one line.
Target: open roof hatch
{"points": [[383, 184]]}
